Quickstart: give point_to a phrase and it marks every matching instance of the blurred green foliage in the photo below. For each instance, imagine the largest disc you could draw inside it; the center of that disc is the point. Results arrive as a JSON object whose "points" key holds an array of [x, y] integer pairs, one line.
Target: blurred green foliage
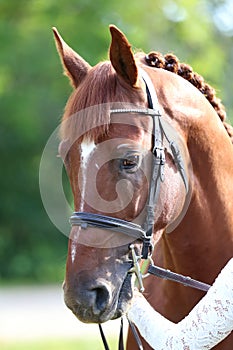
{"points": [[33, 93]]}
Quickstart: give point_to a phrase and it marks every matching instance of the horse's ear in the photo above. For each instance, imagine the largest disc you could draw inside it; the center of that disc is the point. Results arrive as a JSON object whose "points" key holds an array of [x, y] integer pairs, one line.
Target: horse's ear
{"points": [[75, 67], [122, 58]]}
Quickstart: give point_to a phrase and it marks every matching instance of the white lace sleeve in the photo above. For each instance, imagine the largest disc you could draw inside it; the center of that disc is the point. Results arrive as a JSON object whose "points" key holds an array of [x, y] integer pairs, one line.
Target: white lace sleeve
{"points": [[210, 321]]}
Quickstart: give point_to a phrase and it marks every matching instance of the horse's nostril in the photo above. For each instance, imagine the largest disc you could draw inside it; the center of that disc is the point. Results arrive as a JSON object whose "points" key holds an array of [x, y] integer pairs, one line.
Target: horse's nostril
{"points": [[102, 297]]}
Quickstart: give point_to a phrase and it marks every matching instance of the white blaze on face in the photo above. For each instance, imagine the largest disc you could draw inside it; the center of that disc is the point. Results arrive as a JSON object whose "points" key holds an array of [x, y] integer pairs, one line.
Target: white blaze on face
{"points": [[87, 147]]}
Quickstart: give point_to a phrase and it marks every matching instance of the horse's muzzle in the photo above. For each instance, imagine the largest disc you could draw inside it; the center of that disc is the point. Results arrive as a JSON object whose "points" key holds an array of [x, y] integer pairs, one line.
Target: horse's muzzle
{"points": [[91, 305], [100, 301]]}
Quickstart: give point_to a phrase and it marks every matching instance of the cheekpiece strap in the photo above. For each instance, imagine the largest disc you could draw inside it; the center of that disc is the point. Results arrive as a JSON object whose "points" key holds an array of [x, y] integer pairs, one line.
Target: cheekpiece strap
{"points": [[158, 162]]}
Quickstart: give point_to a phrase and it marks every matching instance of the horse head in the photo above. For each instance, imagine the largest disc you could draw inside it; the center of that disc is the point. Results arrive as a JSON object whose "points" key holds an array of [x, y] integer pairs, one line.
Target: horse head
{"points": [[128, 170]]}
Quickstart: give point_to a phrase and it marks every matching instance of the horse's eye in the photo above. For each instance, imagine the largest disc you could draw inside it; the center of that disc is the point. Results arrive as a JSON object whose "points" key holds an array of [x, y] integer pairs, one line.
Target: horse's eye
{"points": [[130, 163]]}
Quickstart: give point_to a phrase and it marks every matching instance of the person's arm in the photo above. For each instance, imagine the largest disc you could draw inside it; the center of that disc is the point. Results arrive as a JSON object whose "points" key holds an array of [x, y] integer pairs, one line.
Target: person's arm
{"points": [[210, 321]]}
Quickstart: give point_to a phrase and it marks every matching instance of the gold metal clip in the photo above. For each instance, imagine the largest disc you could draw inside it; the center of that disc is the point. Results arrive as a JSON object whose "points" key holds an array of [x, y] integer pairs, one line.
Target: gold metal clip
{"points": [[136, 268]]}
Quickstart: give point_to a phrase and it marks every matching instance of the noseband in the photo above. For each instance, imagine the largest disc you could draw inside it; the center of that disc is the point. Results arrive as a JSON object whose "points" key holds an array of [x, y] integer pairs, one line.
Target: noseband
{"points": [[143, 233]]}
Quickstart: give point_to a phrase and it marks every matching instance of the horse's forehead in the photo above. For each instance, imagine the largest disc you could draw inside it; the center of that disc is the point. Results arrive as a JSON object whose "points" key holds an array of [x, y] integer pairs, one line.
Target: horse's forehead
{"points": [[127, 131], [137, 128], [134, 128], [120, 137]]}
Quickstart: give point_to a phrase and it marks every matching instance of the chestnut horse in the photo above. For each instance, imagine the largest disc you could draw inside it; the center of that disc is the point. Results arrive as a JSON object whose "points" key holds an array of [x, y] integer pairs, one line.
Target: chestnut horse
{"points": [[107, 154]]}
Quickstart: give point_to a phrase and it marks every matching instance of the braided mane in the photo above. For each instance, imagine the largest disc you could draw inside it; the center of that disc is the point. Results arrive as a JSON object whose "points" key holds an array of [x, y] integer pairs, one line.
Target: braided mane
{"points": [[171, 63]]}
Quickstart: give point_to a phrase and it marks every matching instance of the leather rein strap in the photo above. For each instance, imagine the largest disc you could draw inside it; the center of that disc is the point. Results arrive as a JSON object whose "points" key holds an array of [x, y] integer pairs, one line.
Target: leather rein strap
{"points": [[121, 338], [176, 277]]}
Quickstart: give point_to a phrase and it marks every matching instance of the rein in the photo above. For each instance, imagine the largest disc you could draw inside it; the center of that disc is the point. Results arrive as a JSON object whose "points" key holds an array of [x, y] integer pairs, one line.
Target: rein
{"points": [[144, 233]]}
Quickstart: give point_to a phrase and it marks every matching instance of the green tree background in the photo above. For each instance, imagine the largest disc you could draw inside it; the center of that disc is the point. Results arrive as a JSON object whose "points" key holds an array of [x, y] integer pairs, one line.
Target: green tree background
{"points": [[33, 93]]}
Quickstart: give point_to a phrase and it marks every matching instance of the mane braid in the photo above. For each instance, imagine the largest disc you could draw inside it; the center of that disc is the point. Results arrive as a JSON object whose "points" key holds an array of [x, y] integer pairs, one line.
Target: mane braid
{"points": [[171, 63]]}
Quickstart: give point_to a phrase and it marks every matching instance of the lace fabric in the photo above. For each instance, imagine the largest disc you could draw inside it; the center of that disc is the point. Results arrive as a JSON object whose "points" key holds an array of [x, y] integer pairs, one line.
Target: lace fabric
{"points": [[210, 321]]}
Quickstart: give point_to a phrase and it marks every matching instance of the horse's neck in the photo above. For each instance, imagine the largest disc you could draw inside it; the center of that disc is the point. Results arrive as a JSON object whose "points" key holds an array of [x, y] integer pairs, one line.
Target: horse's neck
{"points": [[207, 230], [203, 242]]}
